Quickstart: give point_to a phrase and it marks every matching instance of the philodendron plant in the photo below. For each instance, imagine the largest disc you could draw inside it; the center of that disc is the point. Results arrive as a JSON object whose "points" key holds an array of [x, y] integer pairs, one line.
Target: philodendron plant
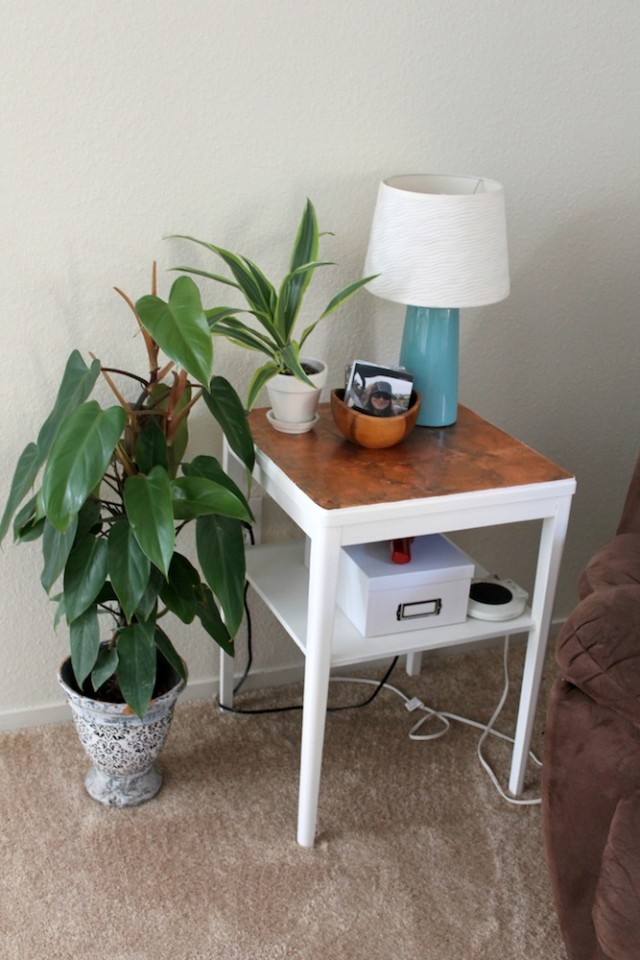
{"points": [[116, 494], [276, 310]]}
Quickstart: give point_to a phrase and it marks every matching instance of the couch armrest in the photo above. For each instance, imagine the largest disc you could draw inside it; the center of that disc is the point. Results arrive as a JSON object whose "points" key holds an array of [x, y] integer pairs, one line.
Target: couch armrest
{"points": [[598, 649], [614, 564]]}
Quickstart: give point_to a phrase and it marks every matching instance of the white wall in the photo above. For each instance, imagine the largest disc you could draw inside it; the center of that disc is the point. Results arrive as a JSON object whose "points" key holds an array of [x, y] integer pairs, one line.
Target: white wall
{"points": [[123, 122]]}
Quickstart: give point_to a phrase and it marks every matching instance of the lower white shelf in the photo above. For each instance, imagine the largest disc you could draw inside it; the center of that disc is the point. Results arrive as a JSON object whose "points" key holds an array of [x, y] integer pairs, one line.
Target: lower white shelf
{"points": [[279, 576]]}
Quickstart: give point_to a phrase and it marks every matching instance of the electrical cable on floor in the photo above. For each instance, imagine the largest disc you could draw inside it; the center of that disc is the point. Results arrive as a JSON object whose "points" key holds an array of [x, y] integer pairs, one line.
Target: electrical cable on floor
{"points": [[414, 703], [379, 685], [411, 704]]}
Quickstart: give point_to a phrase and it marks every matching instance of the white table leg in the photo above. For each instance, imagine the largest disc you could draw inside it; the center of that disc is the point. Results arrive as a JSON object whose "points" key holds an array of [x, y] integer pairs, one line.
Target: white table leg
{"points": [[226, 679], [413, 664], [551, 545], [323, 578]]}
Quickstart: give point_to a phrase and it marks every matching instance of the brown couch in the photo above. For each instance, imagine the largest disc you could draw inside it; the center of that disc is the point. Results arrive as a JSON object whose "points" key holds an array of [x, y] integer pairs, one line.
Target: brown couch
{"points": [[591, 770]]}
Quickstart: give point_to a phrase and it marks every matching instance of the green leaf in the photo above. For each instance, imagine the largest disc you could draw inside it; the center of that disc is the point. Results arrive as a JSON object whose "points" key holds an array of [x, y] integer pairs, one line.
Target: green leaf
{"points": [[204, 273], [212, 622], [260, 378], [220, 548], [216, 314], [60, 612], [137, 665], [25, 474], [180, 328], [159, 394], [78, 459], [89, 518], [171, 655], [291, 358], [128, 567], [179, 592], [266, 288], [305, 250], [151, 446], [246, 281], [344, 294], [106, 666], [56, 548], [29, 522], [31, 532], [244, 336], [149, 600], [84, 575], [76, 385], [257, 340], [307, 332], [305, 247], [206, 466], [290, 296], [149, 508], [226, 406], [84, 635], [196, 496]]}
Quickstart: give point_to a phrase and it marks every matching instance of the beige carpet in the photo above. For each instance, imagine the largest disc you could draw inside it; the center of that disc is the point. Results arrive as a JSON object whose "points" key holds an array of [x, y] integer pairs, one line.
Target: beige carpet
{"points": [[417, 858]]}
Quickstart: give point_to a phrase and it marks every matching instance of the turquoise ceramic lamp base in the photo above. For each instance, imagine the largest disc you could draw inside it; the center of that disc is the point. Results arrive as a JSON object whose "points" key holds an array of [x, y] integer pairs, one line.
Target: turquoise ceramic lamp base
{"points": [[430, 347]]}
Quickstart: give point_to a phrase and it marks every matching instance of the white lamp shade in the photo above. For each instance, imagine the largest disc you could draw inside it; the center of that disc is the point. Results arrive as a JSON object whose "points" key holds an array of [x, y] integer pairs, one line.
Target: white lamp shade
{"points": [[439, 241]]}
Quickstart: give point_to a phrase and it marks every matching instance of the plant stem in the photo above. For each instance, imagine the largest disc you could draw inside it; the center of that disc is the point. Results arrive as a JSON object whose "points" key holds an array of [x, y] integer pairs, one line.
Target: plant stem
{"points": [[152, 347], [125, 373], [177, 420]]}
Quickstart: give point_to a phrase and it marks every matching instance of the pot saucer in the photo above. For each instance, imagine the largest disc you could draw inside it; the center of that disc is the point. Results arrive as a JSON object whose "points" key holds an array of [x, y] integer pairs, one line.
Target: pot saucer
{"points": [[284, 426]]}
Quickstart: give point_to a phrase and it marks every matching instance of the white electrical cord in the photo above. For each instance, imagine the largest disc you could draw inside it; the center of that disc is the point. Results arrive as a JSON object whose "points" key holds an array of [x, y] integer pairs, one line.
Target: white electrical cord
{"points": [[414, 703]]}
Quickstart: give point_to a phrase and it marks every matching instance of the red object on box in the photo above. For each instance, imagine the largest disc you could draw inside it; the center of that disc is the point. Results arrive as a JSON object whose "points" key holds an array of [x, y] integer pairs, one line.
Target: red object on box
{"points": [[401, 550]]}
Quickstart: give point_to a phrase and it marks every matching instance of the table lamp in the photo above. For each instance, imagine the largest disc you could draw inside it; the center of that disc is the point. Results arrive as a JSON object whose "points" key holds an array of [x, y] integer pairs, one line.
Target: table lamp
{"points": [[437, 243]]}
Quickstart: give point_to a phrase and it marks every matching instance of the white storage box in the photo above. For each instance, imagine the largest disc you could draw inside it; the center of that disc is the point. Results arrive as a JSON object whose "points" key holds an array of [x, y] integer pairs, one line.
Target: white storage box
{"points": [[380, 596]]}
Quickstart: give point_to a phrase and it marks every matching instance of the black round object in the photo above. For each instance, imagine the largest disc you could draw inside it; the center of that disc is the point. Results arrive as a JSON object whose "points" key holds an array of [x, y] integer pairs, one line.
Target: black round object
{"points": [[492, 594]]}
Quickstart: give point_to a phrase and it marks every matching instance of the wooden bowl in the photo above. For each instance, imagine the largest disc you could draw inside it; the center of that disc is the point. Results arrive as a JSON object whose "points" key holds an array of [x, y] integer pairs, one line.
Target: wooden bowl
{"points": [[373, 432]]}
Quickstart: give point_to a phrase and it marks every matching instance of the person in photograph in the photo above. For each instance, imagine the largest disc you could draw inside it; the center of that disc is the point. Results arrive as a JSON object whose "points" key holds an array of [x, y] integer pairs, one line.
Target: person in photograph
{"points": [[379, 400]]}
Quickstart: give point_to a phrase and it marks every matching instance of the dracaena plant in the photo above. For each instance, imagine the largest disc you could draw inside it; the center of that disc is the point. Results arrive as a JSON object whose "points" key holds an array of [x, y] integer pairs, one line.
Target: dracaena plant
{"points": [[276, 310], [116, 493]]}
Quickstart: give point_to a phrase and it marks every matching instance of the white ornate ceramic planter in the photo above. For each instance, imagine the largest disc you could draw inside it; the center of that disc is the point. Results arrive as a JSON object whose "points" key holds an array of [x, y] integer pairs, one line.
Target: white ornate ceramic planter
{"points": [[121, 746]]}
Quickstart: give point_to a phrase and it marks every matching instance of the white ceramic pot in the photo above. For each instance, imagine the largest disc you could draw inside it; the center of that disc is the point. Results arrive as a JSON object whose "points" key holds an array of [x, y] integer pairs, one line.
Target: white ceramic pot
{"points": [[293, 401], [121, 746]]}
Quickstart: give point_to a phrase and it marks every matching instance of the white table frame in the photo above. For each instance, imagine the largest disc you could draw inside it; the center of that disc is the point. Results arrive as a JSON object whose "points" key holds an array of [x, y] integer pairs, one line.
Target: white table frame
{"points": [[312, 623]]}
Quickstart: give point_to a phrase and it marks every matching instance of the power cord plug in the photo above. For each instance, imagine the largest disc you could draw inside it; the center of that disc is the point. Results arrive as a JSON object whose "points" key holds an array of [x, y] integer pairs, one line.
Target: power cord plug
{"points": [[414, 704]]}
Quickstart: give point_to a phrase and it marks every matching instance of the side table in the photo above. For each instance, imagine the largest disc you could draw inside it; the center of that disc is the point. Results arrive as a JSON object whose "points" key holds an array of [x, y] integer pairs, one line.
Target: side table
{"points": [[439, 480]]}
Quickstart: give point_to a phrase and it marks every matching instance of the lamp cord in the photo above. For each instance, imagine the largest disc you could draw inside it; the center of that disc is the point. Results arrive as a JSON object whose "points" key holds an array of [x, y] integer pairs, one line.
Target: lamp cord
{"points": [[298, 706]]}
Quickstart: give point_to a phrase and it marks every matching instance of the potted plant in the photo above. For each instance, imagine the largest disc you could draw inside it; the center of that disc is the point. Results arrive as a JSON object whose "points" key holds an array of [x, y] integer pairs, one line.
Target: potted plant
{"points": [[115, 495], [286, 372]]}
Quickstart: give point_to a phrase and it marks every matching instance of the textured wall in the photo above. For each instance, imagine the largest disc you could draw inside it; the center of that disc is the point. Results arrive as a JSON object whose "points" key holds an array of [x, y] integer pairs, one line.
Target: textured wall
{"points": [[123, 122]]}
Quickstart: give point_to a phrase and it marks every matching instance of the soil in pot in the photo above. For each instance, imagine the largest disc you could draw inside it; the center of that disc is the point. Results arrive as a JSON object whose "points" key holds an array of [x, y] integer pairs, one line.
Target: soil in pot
{"points": [[109, 692]]}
